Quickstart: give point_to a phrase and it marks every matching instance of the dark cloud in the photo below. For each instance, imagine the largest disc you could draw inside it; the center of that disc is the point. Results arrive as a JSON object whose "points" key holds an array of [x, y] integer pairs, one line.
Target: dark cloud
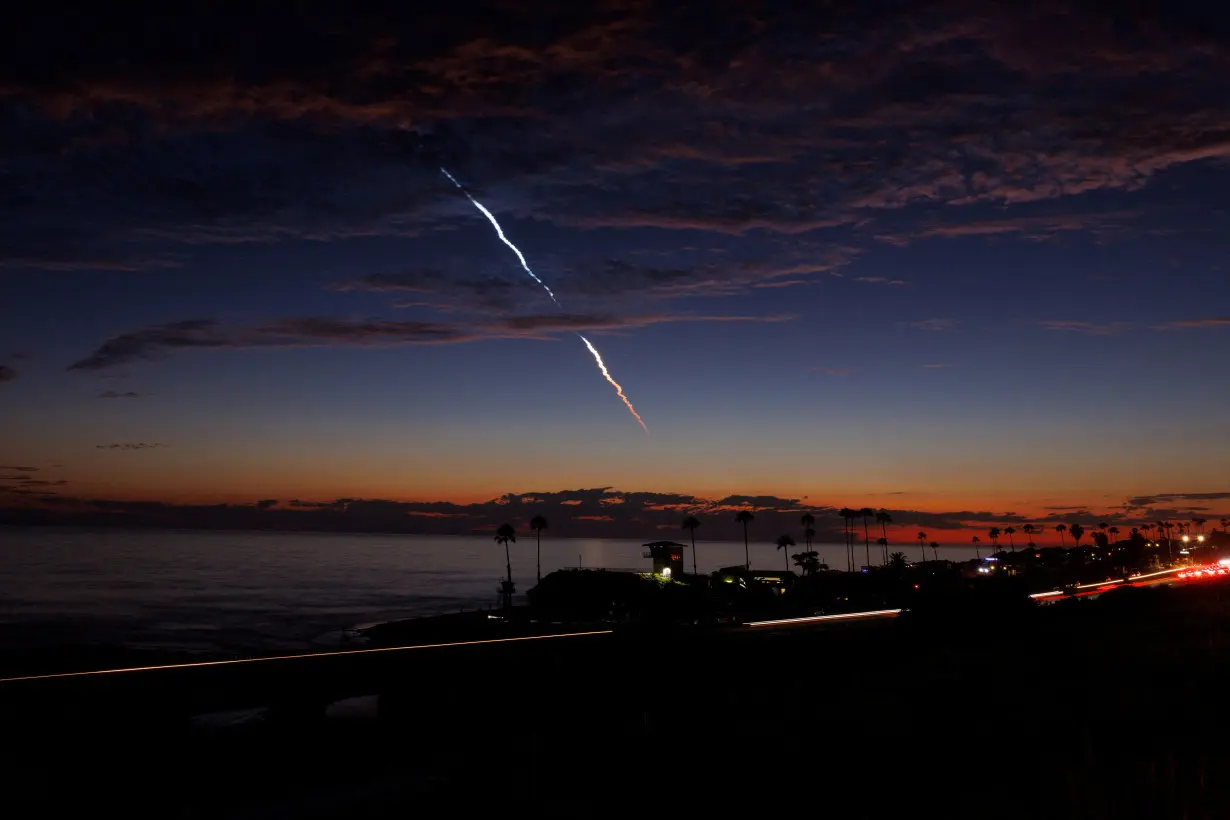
{"points": [[1091, 328], [333, 122], [1143, 501], [20, 469], [154, 342], [133, 445], [1189, 324], [7, 374], [934, 325], [112, 394]]}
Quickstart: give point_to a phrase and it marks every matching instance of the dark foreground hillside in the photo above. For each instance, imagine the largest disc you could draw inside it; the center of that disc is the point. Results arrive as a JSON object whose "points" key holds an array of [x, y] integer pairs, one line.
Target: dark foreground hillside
{"points": [[1093, 708]]}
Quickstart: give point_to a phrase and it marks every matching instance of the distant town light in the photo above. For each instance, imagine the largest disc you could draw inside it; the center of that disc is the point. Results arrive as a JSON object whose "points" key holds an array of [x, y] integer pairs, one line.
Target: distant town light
{"points": [[1200, 538]]}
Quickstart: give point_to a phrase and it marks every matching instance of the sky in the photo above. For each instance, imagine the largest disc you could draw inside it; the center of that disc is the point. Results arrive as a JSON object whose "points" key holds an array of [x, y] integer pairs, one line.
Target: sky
{"points": [[939, 258]]}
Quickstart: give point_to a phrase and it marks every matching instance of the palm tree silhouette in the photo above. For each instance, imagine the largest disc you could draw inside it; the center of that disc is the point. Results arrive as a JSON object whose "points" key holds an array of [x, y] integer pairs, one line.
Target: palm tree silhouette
{"points": [[1009, 531], [784, 543], [882, 543], [538, 524], [976, 541], [847, 518], [1077, 532], [866, 512], [502, 536], [1029, 530], [885, 519], [745, 517], [1061, 529], [809, 522], [1113, 530], [922, 544], [935, 549], [1225, 525], [690, 524], [993, 534], [1200, 522]]}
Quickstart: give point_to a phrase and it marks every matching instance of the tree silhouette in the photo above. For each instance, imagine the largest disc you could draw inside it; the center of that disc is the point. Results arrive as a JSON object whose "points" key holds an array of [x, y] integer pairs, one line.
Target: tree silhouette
{"points": [[809, 532], [502, 536], [745, 517], [1076, 531], [976, 541], [1029, 530], [1225, 525], [922, 544], [690, 524], [866, 512], [882, 543], [807, 562], [935, 549], [538, 524], [1061, 529], [993, 534], [885, 519], [1200, 522], [1009, 531], [847, 518], [784, 543], [1113, 530], [897, 562]]}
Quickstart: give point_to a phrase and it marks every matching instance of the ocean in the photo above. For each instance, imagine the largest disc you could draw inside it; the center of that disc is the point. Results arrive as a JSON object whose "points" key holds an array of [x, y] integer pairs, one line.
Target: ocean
{"points": [[253, 592]]}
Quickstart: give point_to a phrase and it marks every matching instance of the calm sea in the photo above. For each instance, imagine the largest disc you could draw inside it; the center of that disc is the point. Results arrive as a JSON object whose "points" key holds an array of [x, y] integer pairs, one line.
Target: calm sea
{"points": [[262, 591]]}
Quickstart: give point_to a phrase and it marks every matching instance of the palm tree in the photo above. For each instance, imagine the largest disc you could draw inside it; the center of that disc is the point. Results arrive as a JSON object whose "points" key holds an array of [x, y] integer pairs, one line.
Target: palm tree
{"points": [[866, 512], [1200, 522], [993, 534], [745, 517], [1061, 529], [1113, 531], [922, 544], [897, 561], [976, 541], [538, 524], [1009, 531], [885, 519], [1077, 532], [847, 517], [1029, 530], [935, 549], [882, 543], [502, 536], [690, 524], [1225, 525], [809, 532], [784, 543]]}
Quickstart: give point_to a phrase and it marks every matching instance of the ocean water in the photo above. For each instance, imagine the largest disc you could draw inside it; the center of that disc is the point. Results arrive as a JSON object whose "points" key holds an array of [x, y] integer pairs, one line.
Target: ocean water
{"points": [[264, 591]]}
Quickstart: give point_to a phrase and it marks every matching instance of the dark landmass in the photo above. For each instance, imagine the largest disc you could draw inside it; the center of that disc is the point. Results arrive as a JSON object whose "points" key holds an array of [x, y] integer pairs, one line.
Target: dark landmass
{"points": [[1087, 708]]}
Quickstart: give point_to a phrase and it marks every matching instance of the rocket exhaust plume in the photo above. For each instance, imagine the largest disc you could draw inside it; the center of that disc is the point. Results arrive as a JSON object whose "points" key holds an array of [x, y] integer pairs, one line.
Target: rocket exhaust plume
{"points": [[499, 232], [606, 374]]}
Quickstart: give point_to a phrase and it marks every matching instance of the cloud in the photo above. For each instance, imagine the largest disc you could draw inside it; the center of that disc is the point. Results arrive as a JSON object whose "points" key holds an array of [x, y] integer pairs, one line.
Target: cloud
{"points": [[1142, 501], [1190, 324], [111, 394], [618, 116], [1091, 328], [7, 374], [20, 469], [934, 325], [135, 445], [203, 334]]}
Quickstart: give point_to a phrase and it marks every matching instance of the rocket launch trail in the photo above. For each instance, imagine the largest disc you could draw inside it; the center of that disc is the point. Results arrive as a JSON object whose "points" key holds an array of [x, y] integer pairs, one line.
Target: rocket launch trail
{"points": [[606, 374], [500, 232]]}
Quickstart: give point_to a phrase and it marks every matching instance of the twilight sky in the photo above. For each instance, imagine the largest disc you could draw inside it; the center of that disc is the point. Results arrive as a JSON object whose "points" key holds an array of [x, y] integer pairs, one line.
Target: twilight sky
{"points": [[946, 259]]}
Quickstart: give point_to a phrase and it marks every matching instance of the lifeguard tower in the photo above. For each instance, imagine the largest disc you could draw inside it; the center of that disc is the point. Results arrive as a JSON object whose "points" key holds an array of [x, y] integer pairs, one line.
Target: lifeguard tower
{"points": [[667, 558]]}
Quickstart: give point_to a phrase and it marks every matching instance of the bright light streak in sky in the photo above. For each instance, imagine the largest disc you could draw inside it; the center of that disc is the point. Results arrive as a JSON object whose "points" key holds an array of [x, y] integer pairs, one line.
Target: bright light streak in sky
{"points": [[500, 232], [607, 375], [597, 356]]}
